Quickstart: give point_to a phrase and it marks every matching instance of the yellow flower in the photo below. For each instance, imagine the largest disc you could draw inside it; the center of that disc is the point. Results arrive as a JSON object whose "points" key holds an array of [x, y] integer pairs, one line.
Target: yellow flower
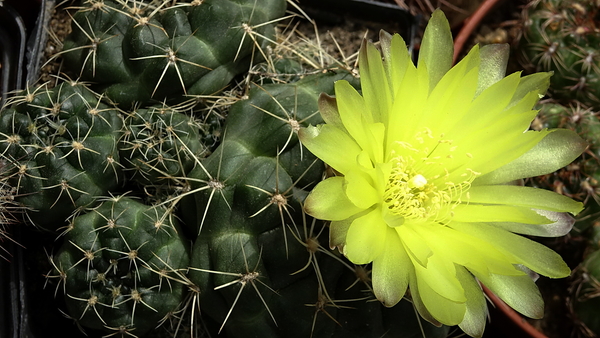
{"points": [[427, 158]]}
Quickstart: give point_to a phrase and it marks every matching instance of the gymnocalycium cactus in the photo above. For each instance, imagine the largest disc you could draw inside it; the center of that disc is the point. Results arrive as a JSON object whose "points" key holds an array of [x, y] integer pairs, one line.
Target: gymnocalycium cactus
{"points": [[563, 36], [135, 51], [159, 142], [585, 296], [61, 148], [115, 266]]}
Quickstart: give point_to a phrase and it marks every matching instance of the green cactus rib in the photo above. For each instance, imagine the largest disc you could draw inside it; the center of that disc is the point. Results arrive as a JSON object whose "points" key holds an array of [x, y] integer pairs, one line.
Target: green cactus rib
{"points": [[135, 52], [61, 146], [563, 37], [118, 266], [259, 263]]}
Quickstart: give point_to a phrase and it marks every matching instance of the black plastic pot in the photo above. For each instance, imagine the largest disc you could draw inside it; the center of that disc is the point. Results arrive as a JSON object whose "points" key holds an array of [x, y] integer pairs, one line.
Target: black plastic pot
{"points": [[372, 14], [22, 40], [12, 49]]}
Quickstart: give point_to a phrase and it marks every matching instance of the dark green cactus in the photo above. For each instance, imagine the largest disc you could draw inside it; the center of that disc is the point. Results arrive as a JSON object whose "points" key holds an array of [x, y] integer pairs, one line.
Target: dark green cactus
{"points": [[585, 296], [61, 148], [261, 266], [563, 36], [160, 143], [134, 51], [119, 266]]}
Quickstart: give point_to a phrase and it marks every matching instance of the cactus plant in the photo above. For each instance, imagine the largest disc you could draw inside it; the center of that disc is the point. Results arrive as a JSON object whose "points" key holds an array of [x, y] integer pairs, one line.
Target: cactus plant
{"points": [[159, 142], [580, 179], [585, 301], [116, 265], [135, 51], [61, 148], [563, 36]]}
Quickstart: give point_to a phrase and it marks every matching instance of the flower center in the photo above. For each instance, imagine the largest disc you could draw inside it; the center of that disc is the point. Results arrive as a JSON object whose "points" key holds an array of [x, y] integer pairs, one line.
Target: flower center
{"points": [[410, 195]]}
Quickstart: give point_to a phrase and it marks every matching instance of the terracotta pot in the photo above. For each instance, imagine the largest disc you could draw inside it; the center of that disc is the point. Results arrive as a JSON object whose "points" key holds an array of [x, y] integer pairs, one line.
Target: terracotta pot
{"points": [[471, 24]]}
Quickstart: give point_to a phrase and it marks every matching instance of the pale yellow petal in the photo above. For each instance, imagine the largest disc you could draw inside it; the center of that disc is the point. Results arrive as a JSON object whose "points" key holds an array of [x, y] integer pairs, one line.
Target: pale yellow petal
{"points": [[365, 238], [519, 292], [554, 151], [497, 213], [445, 311], [331, 145], [523, 196], [437, 48], [360, 190], [395, 57], [337, 233], [531, 254], [494, 59], [328, 201], [467, 250], [475, 317], [391, 270], [440, 276], [414, 244], [418, 301], [376, 90]]}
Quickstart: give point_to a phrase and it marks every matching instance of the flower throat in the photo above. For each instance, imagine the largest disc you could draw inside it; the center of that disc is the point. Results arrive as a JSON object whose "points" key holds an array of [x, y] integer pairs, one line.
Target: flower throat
{"points": [[410, 195]]}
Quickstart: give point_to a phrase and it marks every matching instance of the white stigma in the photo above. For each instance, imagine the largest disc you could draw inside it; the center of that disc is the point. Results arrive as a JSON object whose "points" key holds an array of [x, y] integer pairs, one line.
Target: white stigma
{"points": [[418, 181]]}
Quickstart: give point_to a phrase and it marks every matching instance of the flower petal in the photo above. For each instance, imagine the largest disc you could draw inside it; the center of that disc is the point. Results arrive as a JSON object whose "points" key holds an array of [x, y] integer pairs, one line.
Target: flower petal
{"points": [[411, 97], [450, 98], [440, 276], [418, 301], [533, 255], [360, 190], [492, 101], [519, 292], [328, 201], [537, 82], [391, 271], [494, 59], [473, 322], [497, 213], [359, 120], [337, 233], [365, 238], [414, 243], [332, 145], [466, 250], [329, 111], [395, 57], [442, 309], [554, 151], [523, 196], [561, 225], [376, 90], [437, 48]]}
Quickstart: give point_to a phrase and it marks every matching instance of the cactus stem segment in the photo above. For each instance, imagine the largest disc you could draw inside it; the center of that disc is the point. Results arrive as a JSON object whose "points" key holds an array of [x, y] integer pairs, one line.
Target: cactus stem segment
{"points": [[172, 60], [248, 277]]}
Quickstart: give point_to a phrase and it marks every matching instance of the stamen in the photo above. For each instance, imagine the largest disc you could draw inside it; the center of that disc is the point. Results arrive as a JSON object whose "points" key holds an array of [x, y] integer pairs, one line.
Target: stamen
{"points": [[412, 192]]}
